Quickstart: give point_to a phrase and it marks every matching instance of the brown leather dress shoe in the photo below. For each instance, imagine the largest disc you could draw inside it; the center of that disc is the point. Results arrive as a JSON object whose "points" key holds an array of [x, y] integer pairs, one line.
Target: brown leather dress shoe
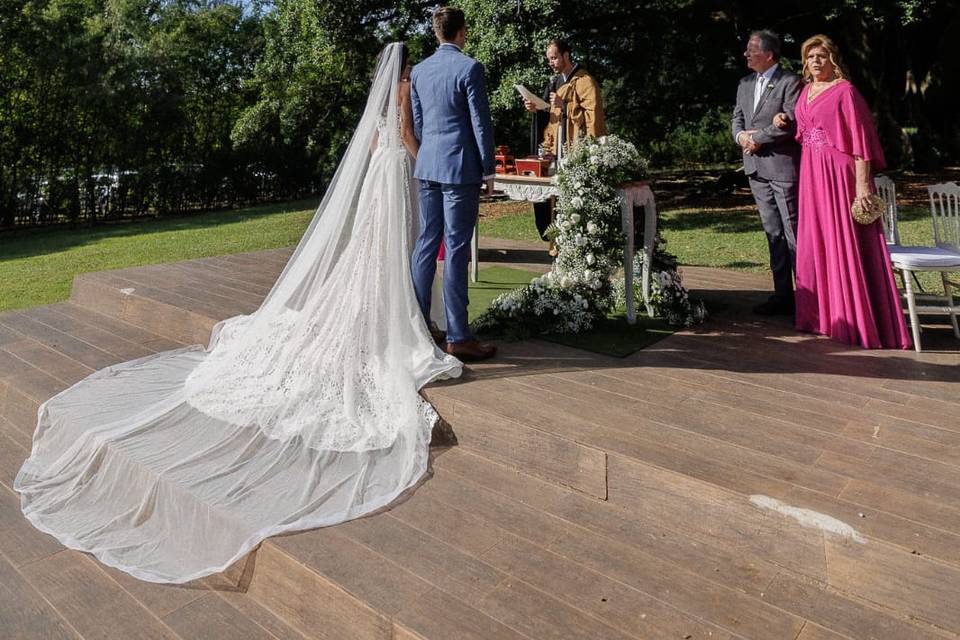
{"points": [[471, 350]]}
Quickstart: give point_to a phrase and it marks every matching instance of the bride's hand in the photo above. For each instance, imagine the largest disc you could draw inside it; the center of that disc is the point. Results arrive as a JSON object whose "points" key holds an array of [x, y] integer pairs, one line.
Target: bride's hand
{"points": [[780, 121]]}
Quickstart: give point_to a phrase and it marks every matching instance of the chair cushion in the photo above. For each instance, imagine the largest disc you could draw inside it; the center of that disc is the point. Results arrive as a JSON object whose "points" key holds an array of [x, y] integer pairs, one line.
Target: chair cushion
{"points": [[923, 257]]}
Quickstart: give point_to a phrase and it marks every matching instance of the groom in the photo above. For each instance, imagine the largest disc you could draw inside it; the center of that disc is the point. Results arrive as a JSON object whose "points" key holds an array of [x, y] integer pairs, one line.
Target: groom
{"points": [[451, 119]]}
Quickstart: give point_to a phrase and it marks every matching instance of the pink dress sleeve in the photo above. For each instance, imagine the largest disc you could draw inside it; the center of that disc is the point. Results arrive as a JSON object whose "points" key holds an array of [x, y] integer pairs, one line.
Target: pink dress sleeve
{"points": [[853, 132], [800, 113]]}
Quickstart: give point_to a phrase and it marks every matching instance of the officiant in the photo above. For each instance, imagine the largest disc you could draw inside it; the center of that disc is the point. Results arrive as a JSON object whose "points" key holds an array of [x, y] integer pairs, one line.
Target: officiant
{"points": [[574, 110]]}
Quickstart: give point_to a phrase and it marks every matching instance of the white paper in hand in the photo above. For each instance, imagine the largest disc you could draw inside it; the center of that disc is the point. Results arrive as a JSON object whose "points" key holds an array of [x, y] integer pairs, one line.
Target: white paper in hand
{"points": [[528, 95]]}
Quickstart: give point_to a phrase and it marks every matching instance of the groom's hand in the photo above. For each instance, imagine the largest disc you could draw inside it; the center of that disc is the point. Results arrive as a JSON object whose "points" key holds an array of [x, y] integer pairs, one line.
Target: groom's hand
{"points": [[488, 187]]}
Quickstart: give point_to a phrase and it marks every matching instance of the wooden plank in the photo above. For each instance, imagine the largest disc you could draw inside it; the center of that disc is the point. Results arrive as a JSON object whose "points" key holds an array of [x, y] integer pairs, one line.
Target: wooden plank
{"points": [[459, 574], [13, 432], [171, 278], [90, 291], [8, 336], [543, 514], [838, 613], [117, 327], [46, 359], [887, 468], [160, 599], [251, 609], [515, 402], [220, 266], [753, 444], [916, 413], [910, 504], [910, 536], [100, 338], [97, 609], [20, 542], [534, 451], [537, 615], [851, 379], [733, 415], [437, 615], [211, 618], [427, 511], [12, 454], [18, 408], [309, 601], [630, 610], [912, 585], [24, 614], [800, 398], [909, 440], [706, 510], [180, 292], [815, 632], [475, 502], [226, 280], [28, 379], [59, 341]]}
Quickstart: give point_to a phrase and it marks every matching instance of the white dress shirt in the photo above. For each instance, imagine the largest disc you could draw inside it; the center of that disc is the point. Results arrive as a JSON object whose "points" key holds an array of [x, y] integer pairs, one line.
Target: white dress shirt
{"points": [[763, 79]]}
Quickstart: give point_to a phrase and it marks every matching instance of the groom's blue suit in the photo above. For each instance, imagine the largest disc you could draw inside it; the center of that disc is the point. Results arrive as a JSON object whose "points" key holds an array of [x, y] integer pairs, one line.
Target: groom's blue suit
{"points": [[451, 118]]}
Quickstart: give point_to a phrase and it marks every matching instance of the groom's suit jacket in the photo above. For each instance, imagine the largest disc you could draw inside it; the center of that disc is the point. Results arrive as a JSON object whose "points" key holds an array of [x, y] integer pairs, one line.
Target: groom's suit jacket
{"points": [[451, 118], [779, 155]]}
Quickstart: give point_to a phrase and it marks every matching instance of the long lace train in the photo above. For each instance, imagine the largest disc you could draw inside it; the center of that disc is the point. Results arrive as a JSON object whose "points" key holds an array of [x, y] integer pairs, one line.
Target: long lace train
{"points": [[303, 414]]}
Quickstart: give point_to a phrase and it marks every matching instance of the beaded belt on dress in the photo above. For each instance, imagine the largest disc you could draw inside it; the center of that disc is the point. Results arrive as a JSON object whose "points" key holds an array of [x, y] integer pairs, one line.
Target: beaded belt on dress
{"points": [[816, 137]]}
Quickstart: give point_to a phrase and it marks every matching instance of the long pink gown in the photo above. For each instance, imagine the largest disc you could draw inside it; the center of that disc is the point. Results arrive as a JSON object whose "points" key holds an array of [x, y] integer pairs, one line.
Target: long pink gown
{"points": [[845, 286]]}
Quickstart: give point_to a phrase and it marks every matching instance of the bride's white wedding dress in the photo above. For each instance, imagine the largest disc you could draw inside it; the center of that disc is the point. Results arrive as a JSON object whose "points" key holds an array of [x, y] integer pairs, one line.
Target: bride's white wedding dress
{"points": [[305, 413]]}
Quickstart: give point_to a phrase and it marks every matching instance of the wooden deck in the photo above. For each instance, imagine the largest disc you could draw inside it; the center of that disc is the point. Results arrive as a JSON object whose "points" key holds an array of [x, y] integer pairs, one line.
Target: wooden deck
{"points": [[584, 496]]}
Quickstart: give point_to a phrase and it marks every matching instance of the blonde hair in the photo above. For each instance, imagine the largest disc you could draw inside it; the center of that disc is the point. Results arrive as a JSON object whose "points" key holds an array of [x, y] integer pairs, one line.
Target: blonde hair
{"points": [[832, 50]]}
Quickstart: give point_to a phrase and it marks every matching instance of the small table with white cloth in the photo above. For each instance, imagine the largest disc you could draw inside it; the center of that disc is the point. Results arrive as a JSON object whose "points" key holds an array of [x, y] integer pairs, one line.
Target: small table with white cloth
{"points": [[632, 194]]}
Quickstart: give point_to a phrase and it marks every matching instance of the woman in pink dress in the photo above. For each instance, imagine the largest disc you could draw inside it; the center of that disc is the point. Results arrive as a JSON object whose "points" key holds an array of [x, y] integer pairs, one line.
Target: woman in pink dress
{"points": [[845, 286]]}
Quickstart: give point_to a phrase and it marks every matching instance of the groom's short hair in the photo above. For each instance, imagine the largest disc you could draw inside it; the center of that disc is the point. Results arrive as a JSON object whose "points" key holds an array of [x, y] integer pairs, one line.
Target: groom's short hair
{"points": [[447, 22]]}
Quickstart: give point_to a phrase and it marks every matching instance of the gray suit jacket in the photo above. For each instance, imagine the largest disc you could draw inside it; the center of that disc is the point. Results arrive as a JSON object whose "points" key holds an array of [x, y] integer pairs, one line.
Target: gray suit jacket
{"points": [[779, 155]]}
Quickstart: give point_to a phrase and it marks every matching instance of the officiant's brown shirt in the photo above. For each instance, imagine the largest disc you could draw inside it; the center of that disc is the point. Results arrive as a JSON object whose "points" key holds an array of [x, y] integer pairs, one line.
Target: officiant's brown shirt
{"points": [[581, 93]]}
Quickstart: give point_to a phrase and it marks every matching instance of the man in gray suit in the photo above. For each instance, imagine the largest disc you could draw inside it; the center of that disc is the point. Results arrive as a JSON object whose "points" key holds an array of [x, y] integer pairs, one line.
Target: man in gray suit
{"points": [[771, 158]]}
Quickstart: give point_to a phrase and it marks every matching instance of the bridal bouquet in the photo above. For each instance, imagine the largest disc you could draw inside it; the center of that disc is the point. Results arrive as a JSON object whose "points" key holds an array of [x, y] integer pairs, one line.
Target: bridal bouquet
{"points": [[578, 290]]}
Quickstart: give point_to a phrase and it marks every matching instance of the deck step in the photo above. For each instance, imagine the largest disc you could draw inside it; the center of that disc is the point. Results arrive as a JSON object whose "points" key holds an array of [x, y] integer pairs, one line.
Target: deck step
{"points": [[583, 496], [159, 312], [516, 442]]}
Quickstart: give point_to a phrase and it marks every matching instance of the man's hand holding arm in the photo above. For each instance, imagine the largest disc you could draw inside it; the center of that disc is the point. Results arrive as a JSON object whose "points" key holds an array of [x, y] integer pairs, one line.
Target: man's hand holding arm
{"points": [[741, 135]]}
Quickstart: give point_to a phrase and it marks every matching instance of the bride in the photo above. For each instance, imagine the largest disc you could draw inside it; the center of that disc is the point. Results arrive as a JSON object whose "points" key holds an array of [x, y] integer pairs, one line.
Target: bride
{"points": [[303, 414]]}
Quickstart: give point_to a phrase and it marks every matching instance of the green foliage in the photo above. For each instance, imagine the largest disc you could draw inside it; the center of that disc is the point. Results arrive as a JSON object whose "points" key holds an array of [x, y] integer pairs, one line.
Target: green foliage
{"points": [[121, 106], [706, 141], [126, 107]]}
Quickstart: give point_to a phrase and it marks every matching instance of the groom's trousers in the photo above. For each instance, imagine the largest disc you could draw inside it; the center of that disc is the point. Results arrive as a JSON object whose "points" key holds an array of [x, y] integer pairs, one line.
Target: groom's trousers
{"points": [[448, 212]]}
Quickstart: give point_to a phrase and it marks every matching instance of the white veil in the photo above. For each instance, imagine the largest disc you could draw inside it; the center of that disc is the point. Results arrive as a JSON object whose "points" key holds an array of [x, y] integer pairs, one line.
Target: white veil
{"points": [[305, 413]]}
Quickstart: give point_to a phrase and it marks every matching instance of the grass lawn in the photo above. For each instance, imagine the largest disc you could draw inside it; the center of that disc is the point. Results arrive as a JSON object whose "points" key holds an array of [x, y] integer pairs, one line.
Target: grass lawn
{"points": [[730, 238], [37, 266]]}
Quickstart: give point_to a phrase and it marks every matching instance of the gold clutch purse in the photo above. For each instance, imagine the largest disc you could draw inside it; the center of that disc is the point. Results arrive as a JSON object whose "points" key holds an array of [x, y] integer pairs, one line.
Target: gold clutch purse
{"points": [[869, 209]]}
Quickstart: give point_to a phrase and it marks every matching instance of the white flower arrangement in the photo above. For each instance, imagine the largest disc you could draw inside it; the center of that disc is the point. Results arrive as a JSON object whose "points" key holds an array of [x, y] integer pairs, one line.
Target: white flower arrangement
{"points": [[668, 297], [578, 290]]}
